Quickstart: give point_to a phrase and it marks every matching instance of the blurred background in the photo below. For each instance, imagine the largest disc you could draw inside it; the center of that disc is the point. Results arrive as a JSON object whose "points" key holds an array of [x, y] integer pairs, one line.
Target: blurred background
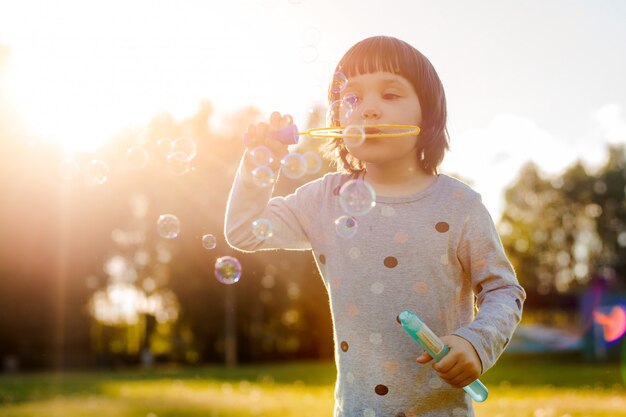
{"points": [[114, 113]]}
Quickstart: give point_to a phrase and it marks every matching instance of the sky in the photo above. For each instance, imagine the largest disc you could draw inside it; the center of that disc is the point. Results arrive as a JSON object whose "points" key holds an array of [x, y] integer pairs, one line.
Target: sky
{"points": [[525, 80]]}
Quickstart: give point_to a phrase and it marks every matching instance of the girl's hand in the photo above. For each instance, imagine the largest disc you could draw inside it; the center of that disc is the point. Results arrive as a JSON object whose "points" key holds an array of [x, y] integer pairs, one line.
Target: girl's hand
{"points": [[257, 135], [460, 366]]}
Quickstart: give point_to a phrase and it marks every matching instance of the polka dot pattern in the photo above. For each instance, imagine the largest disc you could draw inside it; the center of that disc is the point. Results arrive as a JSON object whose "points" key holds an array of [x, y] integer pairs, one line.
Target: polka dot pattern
{"points": [[442, 315], [376, 338], [354, 253], [350, 378], [391, 366], [353, 310], [368, 412], [421, 287], [377, 288], [387, 211], [390, 262], [401, 237], [381, 389], [458, 193], [458, 412], [435, 382]]}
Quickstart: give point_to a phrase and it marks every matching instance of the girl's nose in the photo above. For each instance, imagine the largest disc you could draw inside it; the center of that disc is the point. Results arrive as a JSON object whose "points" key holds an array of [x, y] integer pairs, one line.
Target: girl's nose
{"points": [[370, 112]]}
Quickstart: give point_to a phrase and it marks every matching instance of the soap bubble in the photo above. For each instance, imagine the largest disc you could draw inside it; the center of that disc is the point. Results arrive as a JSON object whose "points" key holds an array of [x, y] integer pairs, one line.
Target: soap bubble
{"points": [[263, 176], [178, 163], [168, 226], [227, 270], [136, 157], [340, 109], [313, 162], [346, 226], [209, 241], [97, 172], [353, 135], [68, 168], [293, 165], [262, 228], [186, 146], [261, 155], [165, 145], [357, 197], [338, 83]]}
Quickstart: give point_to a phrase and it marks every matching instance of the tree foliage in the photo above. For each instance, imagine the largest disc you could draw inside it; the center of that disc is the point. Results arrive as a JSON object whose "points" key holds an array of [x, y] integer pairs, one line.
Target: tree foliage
{"points": [[561, 231]]}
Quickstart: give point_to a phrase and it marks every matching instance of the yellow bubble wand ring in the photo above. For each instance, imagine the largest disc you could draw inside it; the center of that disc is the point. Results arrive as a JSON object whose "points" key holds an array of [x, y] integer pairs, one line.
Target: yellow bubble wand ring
{"points": [[289, 134]]}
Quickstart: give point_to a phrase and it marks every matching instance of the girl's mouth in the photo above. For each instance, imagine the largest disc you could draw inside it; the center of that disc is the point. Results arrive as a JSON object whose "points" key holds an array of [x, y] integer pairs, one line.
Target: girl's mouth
{"points": [[372, 130]]}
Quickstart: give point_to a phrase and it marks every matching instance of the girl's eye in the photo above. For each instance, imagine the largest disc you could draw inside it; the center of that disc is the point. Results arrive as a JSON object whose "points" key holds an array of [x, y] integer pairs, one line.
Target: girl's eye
{"points": [[391, 96]]}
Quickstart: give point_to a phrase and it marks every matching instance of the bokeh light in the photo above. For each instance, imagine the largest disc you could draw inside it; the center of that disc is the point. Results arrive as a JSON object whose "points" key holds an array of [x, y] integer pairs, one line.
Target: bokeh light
{"points": [[613, 323]]}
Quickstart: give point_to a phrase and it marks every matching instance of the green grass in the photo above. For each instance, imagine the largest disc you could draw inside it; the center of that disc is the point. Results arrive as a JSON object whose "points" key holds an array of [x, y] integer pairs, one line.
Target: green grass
{"points": [[532, 386]]}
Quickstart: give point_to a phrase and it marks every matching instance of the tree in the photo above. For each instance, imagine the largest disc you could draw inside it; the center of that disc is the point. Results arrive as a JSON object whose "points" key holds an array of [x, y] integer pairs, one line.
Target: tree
{"points": [[560, 231]]}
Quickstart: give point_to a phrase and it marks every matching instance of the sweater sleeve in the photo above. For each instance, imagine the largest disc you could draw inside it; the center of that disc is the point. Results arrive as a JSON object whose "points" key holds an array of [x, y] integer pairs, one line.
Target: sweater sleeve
{"points": [[499, 296], [248, 202]]}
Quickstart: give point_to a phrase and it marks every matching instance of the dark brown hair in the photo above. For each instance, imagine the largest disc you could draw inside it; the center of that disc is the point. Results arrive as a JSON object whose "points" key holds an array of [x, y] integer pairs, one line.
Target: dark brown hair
{"points": [[385, 53]]}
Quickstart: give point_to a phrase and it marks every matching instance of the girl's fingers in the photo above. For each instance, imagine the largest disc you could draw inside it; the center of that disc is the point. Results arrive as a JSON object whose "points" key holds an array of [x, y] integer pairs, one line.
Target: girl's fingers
{"points": [[250, 136], [275, 120], [286, 120], [261, 132], [465, 382]]}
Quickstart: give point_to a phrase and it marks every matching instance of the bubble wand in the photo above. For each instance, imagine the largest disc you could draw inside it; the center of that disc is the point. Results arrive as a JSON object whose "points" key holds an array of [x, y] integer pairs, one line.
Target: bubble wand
{"points": [[289, 134], [436, 348]]}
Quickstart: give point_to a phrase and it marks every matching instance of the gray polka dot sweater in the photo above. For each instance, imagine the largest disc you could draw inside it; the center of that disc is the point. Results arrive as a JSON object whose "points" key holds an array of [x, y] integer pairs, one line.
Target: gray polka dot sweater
{"points": [[436, 253]]}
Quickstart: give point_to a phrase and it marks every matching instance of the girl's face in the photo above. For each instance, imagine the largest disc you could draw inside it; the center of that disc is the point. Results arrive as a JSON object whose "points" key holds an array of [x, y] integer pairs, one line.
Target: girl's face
{"points": [[381, 98]]}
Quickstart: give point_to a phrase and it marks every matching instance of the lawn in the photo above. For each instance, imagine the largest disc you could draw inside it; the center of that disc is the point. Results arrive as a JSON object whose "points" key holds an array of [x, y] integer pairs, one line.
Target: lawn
{"points": [[531, 386]]}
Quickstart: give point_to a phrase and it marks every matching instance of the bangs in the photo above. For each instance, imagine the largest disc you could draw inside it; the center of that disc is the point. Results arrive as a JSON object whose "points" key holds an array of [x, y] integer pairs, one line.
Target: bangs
{"points": [[378, 54]]}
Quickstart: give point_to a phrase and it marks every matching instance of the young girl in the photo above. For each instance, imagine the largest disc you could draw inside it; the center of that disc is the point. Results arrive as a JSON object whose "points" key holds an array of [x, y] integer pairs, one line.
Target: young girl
{"points": [[428, 245]]}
